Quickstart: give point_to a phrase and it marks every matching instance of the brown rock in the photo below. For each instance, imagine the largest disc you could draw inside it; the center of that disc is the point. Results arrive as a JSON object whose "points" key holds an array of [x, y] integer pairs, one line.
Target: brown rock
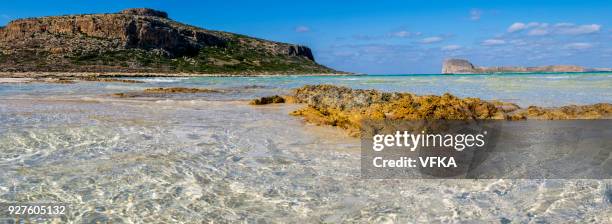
{"points": [[268, 100], [156, 92], [594, 111], [179, 90], [348, 108], [55, 81], [98, 79]]}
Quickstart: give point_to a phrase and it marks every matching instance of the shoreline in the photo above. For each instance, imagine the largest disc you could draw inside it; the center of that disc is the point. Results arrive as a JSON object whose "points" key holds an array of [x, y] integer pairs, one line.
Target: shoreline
{"points": [[38, 75], [150, 74]]}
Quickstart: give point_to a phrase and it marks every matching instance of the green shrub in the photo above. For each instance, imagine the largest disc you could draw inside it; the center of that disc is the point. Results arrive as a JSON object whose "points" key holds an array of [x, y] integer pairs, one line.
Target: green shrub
{"points": [[234, 58]]}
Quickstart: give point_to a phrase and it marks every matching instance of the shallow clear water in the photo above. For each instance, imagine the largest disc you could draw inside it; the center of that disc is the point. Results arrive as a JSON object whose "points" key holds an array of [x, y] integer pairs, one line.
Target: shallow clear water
{"points": [[545, 89], [202, 157]]}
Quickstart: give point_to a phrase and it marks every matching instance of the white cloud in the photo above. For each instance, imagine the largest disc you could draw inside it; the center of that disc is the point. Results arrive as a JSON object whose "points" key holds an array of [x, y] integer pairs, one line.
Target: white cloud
{"points": [[452, 47], [430, 40], [365, 37], [538, 32], [302, 29], [518, 42], [540, 29], [516, 27], [563, 24], [579, 46], [475, 14], [396, 34], [536, 24], [401, 33], [578, 30], [493, 42]]}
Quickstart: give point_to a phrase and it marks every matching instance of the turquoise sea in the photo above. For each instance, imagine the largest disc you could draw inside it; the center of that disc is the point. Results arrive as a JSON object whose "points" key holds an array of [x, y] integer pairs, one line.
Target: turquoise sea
{"points": [[544, 89], [212, 157]]}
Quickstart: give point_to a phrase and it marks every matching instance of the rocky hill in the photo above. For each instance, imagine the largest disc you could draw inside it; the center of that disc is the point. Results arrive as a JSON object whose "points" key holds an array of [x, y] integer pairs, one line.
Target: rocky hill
{"points": [[142, 40], [461, 66]]}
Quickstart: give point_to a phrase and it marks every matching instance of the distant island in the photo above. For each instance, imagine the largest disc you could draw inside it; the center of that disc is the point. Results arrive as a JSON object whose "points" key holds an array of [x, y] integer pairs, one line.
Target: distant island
{"points": [[462, 66], [143, 40]]}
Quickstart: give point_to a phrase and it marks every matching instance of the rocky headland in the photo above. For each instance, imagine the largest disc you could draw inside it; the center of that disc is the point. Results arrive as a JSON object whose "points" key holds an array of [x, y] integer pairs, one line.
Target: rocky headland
{"points": [[347, 108], [462, 66], [142, 41]]}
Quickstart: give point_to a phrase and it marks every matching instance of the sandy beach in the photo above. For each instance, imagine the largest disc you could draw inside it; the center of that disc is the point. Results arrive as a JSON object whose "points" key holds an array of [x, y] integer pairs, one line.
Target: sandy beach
{"points": [[15, 80]]}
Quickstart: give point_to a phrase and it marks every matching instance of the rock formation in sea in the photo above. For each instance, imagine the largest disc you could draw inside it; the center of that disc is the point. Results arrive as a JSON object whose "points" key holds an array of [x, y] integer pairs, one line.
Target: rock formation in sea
{"points": [[347, 108], [142, 40], [268, 100], [454, 66], [164, 91], [462, 66]]}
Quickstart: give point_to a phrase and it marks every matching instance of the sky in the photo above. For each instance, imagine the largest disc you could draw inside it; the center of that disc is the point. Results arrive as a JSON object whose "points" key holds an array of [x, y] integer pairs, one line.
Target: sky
{"points": [[390, 37]]}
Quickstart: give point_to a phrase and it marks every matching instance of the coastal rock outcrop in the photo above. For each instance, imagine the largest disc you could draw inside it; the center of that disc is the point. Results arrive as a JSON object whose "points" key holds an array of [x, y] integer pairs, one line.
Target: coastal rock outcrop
{"points": [[348, 108], [462, 66], [142, 40]]}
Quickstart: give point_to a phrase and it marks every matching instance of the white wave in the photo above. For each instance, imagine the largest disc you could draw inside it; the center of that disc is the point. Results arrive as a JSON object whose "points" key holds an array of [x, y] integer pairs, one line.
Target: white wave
{"points": [[123, 87], [557, 77], [163, 79]]}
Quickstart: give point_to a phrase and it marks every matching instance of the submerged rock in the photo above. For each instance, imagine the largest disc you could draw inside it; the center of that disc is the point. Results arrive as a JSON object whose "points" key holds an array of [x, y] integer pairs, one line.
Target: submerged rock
{"points": [[179, 90], [98, 79], [123, 95], [268, 100], [55, 81], [253, 87], [163, 91]]}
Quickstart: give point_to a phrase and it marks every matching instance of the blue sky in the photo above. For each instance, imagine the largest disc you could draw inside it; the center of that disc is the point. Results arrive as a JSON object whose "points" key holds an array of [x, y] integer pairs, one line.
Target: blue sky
{"points": [[391, 36]]}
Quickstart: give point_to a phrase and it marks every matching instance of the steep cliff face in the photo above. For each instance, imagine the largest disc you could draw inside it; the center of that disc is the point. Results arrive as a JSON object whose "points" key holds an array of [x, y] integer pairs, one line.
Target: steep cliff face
{"points": [[141, 40], [461, 66]]}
